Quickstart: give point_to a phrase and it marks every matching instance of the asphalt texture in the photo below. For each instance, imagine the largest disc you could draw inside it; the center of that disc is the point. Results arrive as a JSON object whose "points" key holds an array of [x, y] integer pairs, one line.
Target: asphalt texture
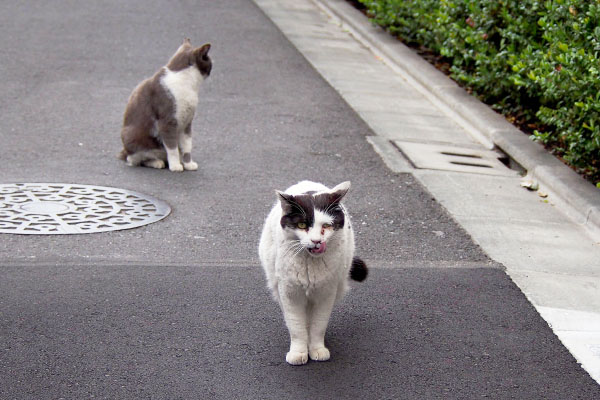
{"points": [[179, 309]]}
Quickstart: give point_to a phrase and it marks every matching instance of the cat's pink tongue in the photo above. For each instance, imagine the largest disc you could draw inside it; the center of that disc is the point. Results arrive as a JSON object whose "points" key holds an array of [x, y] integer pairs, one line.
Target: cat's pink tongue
{"points": [[321, 248]]}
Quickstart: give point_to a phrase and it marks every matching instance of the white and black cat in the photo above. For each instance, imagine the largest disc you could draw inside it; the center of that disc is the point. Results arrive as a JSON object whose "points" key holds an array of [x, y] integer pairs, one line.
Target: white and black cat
{"points": [[307, 252], [157, 125]]}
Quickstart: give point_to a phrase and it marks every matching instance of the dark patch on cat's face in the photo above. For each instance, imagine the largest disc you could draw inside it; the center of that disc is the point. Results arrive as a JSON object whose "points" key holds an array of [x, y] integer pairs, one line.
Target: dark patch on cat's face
{"points": [[202, 60], [330, 204], [296, 209], [187, 56], [300, 208]]}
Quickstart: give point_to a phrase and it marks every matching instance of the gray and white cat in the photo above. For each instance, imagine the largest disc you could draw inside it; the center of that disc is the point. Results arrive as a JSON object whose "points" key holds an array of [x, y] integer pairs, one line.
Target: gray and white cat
{"points": [[307, 252], [157, 125]]}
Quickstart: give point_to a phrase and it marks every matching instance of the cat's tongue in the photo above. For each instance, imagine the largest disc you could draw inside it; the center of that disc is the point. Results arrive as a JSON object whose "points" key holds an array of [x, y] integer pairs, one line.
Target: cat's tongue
{"points": [[319, 250]]}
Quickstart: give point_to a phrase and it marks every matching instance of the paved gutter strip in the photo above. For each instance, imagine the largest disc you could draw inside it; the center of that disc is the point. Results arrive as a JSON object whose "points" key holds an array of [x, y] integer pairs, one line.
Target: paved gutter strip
{"points": [[579, 199]]}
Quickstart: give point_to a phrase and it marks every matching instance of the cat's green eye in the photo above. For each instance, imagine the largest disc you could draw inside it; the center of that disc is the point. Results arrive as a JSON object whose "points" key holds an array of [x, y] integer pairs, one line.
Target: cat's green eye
{"points": [[301, 225], [327, 226]]}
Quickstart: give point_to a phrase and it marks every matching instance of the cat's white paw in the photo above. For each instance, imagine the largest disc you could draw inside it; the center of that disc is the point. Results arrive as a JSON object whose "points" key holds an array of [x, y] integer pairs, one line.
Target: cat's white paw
{"points": [[176, 167], [191, 166], [296, 358], [321, 354], [158, 164]]}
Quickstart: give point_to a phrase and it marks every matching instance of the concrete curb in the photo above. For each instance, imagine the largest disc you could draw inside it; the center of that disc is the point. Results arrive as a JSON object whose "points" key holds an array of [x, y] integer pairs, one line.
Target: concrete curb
{"points": [[580, 199]]}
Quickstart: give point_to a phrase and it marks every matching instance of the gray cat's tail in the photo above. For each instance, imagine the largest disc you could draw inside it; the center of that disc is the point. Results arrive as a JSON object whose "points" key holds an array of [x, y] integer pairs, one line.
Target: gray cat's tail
{"points": [[358, 270], [122, 155]]}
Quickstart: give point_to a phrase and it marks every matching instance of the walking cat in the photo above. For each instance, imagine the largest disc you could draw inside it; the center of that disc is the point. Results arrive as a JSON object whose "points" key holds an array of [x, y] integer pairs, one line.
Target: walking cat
{"points": [[157, 125], [307, 252]]}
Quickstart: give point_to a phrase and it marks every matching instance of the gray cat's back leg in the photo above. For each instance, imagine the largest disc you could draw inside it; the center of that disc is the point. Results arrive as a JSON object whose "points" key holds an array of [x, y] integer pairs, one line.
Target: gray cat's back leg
{"points": [[148, 158], [141, 145], [158, 164], [156, 159]]}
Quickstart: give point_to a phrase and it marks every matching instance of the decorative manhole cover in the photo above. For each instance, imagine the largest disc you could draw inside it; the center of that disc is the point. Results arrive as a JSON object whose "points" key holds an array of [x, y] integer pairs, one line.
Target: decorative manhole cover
{"points": [[58, 209]]}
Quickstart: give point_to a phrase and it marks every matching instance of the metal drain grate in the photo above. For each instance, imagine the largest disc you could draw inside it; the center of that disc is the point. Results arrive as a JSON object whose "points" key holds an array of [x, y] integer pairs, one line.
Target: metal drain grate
{"points": [[58, 209], [453, 158]]}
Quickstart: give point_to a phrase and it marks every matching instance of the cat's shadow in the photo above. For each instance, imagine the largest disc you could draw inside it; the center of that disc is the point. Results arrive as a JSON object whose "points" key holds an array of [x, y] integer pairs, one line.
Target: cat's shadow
{"points": [[351, 335]]}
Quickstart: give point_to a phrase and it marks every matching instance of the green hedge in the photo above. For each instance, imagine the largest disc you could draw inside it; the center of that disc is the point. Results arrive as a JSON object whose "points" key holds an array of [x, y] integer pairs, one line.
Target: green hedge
{"points": [[538, 61]]}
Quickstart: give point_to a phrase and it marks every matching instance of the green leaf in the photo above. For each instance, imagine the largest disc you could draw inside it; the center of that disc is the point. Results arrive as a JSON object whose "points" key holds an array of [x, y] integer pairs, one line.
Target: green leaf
{"points": [[538, 59]]}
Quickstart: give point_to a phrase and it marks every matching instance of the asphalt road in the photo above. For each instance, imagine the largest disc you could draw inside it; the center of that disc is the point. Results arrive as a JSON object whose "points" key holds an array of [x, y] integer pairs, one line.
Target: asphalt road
{"points": [[179, 308]]}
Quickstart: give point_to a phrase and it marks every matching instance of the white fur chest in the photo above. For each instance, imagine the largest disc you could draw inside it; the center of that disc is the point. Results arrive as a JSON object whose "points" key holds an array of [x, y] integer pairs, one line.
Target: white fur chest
{"points": [[183, 86], [309, 273]]}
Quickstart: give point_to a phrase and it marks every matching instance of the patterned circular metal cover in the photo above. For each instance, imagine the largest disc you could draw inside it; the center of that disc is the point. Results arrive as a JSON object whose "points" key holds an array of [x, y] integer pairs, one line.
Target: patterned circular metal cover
{"points": [[59, 209]]}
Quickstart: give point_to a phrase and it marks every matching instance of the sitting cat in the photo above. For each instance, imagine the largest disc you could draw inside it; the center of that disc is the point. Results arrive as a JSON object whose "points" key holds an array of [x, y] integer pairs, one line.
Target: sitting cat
{"points": [[157, 125], [307, 251]]}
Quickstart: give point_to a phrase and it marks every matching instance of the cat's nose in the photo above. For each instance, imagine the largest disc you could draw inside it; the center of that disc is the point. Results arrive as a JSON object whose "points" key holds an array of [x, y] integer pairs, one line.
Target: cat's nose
{"points": [[315, 241]]}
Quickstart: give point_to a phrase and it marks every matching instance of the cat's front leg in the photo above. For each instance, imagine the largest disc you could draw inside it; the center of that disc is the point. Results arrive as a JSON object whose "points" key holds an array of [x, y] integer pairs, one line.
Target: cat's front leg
{"points": [[173, 159], [185, 146], [319, 313], [293, 304], [168, 130]]}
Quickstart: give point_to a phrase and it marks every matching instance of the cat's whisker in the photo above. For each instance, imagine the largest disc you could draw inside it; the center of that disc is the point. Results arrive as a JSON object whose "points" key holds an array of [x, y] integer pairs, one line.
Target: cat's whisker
{"points": [[292, 243], [293, 246], [288, 251], [331, 207], [300, 248]]}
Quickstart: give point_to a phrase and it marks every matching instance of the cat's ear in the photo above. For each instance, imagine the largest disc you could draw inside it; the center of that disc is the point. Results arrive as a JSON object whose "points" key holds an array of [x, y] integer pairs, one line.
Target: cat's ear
{"points": [[289, 203], [185, 46], [338, 192], [286, 200], [201, 52]]}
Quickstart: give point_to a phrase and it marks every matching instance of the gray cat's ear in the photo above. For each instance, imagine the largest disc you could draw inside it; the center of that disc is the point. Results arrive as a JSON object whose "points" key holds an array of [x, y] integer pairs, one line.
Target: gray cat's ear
{"points": [[201, 52], [185, 46], [340, 190]]}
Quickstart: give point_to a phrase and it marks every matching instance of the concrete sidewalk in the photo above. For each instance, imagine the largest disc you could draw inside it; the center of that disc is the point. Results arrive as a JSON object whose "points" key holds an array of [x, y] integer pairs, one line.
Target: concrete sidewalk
{"points": [[427, 126]]}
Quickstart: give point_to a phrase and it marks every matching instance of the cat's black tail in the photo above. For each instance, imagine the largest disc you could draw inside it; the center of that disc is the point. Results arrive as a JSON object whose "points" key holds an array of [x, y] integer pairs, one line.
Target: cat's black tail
{"points": [[358, 270]]}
